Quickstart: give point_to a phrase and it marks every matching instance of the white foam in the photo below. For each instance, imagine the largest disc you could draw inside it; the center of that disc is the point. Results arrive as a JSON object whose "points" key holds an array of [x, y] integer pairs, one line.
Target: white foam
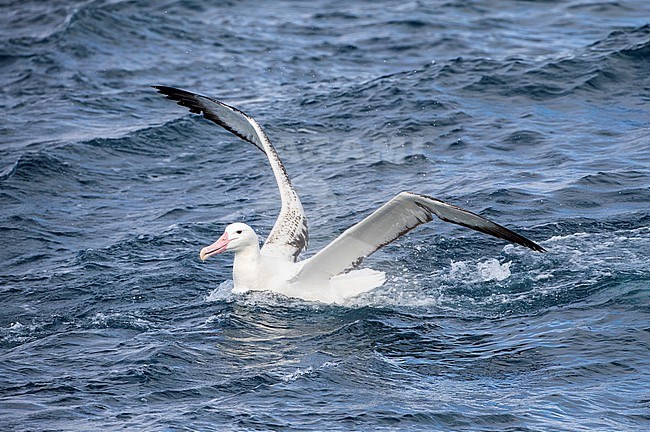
{"points": [[300, 372], [482, 271], [16, 326], [493, 270], [297, 374]]}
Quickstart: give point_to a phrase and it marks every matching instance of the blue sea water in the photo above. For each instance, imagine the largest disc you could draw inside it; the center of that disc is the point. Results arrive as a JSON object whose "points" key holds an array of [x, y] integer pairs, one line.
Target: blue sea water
{"points": [[534, 114]]}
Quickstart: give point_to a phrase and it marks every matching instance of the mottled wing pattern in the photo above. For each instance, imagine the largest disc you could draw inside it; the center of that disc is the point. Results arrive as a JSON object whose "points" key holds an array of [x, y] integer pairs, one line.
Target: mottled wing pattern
{"points": [[289, 235]]}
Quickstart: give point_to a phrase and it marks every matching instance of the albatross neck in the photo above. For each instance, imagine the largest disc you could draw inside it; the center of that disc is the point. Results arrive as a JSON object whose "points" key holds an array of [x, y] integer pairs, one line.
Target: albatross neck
{"points": [[249, 254]]}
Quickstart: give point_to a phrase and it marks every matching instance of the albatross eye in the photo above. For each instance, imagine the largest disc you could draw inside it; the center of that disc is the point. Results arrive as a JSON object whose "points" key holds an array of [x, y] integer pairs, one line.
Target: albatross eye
{"points": [[239, 232]]}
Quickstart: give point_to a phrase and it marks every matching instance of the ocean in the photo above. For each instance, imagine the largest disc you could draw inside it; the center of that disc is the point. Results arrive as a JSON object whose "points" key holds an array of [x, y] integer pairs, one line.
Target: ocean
{"points": [[533, 114]]}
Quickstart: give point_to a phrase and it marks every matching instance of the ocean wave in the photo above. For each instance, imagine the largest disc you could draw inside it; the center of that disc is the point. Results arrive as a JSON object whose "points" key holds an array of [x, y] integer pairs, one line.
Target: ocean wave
{"points": [[31, 166], [607, 62], [531, 113]]}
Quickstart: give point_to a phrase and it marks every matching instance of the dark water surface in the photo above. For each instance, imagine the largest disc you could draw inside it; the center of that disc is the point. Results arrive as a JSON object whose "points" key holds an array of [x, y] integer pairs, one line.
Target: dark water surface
{"points": [[535, 114]]}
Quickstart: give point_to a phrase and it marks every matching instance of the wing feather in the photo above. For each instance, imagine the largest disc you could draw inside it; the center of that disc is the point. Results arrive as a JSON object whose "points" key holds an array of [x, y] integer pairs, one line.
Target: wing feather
{"points": [[289, 235], [392, 220]]}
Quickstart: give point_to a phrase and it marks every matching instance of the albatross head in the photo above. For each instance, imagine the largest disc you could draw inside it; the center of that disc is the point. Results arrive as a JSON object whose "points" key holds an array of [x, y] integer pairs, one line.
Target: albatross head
{"points": [[236, 237]]}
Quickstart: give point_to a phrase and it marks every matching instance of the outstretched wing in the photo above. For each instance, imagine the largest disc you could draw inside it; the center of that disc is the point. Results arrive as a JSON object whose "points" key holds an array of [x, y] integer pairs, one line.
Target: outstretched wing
{"points": [[289, 235], [392, 220]]}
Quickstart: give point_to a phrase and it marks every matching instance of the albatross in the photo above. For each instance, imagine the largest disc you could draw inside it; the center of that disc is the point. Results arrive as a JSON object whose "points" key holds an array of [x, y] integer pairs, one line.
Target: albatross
{"points": [[332, 275]]}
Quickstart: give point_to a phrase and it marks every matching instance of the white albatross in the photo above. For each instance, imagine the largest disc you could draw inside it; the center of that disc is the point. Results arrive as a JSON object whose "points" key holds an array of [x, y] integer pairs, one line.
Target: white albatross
{"points": [[331, 275]]}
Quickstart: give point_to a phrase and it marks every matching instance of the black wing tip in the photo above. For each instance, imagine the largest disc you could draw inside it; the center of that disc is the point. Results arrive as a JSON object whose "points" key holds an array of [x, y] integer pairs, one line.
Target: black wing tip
{"points": [[174, 93], [504, 233], [513, 237], [534, 246], [500, 231], [196, 103], [183, 98], [531, 245], [170, 91], [537, 248]]}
